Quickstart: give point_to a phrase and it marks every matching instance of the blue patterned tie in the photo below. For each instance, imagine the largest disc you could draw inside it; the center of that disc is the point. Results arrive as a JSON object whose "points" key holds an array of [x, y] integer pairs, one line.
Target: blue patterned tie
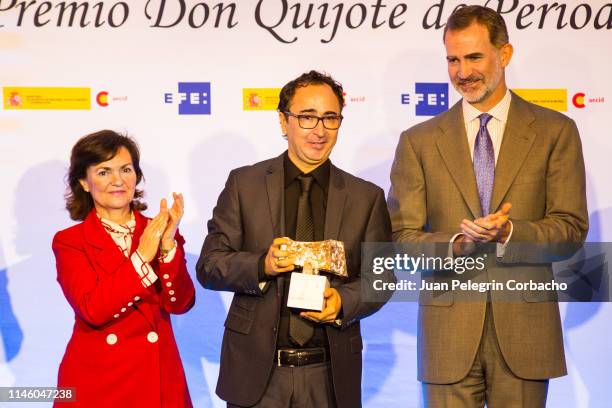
{"points": [[484, 163]]}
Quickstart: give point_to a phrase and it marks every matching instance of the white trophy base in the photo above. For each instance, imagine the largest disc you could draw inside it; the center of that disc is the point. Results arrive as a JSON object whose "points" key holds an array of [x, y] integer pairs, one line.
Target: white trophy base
{"points": [[306, 291]]}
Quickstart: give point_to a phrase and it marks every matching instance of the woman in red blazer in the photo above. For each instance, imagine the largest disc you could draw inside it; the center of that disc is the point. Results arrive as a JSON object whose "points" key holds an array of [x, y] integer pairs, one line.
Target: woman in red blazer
{"points": [[123, 275]]}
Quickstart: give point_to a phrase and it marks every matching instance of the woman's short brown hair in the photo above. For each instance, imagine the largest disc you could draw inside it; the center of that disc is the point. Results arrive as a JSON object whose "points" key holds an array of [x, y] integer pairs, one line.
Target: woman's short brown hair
{"points": [[88, 151]]}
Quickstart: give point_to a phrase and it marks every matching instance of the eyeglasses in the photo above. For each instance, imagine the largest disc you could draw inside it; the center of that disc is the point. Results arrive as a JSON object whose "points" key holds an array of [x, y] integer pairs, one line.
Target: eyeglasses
{"points": [[312, 121]]}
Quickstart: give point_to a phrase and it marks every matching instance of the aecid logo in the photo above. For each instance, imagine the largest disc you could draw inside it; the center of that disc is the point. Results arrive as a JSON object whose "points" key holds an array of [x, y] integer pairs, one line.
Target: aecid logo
{"points": [[104, 98], [580, 100]]}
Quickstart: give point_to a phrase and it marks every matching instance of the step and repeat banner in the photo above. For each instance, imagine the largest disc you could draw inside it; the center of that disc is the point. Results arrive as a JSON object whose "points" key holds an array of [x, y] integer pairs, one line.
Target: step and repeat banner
{"points": [[196, 84]]}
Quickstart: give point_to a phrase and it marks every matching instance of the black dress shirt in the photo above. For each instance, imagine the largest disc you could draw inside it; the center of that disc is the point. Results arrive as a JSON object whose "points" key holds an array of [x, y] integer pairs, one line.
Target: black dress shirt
{"points": [[318, 204]]}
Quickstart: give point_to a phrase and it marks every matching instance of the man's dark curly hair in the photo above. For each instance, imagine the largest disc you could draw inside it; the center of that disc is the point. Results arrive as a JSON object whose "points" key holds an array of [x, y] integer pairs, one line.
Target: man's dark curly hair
{"points": [[309, 78]]}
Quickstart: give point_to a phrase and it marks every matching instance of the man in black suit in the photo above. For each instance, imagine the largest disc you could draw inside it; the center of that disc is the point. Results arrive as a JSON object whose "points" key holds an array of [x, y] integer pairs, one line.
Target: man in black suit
{"points": [[274, 356]]}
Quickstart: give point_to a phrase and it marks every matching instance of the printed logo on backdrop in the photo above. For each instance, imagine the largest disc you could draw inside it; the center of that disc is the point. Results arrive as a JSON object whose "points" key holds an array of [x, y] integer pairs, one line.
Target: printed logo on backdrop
{"points": [[353, 98], [13, 101], [193, 98], [555, 99], [581, 100], [429, 98], [103, 99], [260, 99], [46, 98]]}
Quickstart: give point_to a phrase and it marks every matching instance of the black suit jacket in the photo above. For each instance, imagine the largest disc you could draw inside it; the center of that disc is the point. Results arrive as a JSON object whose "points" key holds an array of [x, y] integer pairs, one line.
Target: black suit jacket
{"points": [[248, 216]]}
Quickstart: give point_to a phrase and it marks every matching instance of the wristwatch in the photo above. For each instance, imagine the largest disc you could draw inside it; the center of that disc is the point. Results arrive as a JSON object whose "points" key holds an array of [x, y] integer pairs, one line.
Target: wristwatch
{"points": [[164, 252]]}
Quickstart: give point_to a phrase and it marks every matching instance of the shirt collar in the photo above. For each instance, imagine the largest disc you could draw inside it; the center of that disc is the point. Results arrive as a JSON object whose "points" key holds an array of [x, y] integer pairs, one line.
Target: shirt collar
{"points": [[320, 174], [113, 227], [499, 111]]}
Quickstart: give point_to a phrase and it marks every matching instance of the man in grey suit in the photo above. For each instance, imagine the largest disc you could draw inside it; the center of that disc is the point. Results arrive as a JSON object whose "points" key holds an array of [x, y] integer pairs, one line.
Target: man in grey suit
{"points": [[273, 356], [493, 169]]}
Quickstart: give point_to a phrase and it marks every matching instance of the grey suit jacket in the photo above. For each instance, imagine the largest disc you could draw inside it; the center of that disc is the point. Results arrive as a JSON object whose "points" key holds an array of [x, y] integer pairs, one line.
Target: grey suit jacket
{"points": [[540, 170], [248, 216]]}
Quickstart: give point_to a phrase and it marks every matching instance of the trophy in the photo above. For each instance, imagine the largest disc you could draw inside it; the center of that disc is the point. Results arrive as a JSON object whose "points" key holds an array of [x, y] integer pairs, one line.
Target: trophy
{"points": [[306, 288]]}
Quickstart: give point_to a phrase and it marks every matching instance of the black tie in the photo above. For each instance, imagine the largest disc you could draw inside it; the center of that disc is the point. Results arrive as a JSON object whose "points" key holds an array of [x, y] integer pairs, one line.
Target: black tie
{"points": [[304, 228], [301, 330]]}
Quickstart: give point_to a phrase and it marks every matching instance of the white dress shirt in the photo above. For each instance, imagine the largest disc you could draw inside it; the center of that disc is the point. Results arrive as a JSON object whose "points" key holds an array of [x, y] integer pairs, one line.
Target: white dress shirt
{"points": [[496, 127]]}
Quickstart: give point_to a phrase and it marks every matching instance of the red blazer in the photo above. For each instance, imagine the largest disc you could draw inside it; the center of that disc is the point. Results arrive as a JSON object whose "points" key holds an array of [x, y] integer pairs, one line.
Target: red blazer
{"points": [[122, 352]]}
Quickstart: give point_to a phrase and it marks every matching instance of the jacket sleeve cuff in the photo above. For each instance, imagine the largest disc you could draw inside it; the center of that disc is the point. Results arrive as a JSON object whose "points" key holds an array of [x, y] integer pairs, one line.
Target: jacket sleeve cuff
{"points": [[144, 270], [261, 273], [501, 248]]}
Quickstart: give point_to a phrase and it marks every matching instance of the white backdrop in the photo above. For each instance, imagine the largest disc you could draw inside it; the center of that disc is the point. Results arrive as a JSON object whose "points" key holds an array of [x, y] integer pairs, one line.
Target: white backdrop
{"points": [[137, 64]]}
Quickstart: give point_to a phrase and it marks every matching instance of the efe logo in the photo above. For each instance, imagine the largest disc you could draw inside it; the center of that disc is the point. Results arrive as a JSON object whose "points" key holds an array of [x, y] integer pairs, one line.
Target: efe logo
{"points": [[193, 98], [431, 98]]}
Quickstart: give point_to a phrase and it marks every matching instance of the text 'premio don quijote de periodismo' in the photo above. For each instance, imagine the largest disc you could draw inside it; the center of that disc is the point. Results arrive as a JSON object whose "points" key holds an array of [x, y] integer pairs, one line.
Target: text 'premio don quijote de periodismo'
{"points": [[287, 21]]}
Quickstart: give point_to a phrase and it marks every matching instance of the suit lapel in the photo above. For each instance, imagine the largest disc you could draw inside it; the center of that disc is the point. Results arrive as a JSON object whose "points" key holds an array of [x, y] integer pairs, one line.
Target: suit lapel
{"points": [[454, 149], [516, 143], [336, 197], [275, 182], [105, 252], [109, 257], [274, 187]]}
